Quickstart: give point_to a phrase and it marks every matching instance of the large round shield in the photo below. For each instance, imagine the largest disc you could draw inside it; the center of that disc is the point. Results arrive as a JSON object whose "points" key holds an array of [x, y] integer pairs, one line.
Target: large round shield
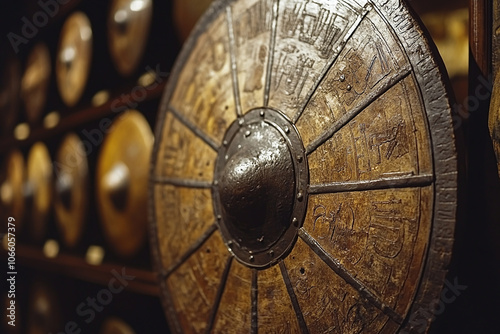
{"points": [[39, 190], [71, 193], [35, 82], [74, 58], [121, 182], [304, 174], [128, 27]]}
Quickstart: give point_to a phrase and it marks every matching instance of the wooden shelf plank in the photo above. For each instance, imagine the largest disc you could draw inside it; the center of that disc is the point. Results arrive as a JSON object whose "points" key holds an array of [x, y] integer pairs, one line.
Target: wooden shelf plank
{"points": [[144, 281], [81, 117]]}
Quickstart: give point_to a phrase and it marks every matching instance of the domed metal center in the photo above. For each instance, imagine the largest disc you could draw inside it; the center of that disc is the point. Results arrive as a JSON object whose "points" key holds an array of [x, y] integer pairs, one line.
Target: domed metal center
{"points": [[260, 175], [257, 185]]}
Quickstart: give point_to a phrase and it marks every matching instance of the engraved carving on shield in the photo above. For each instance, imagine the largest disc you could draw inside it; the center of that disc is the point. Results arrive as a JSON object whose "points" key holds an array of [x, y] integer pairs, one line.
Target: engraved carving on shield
{"points": [[304, 174]]}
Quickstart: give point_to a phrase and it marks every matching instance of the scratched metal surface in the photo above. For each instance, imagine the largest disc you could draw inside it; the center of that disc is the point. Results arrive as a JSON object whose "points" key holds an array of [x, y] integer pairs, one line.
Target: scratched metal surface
{"points": [[357, 81]]}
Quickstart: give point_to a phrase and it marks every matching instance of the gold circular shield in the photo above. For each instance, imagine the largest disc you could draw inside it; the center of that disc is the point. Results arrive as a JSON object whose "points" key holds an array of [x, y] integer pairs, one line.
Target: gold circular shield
{"points": [[71, 189], [74, 58], [122, 182], [128, 27]]}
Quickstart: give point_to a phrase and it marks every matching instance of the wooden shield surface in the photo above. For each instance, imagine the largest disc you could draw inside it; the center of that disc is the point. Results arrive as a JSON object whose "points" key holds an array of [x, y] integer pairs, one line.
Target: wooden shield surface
{"points": [[304, 174]]}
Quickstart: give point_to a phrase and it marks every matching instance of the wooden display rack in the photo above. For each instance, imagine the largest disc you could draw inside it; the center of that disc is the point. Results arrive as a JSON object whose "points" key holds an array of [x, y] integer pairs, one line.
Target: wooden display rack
{"points": [[70, 268]]}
